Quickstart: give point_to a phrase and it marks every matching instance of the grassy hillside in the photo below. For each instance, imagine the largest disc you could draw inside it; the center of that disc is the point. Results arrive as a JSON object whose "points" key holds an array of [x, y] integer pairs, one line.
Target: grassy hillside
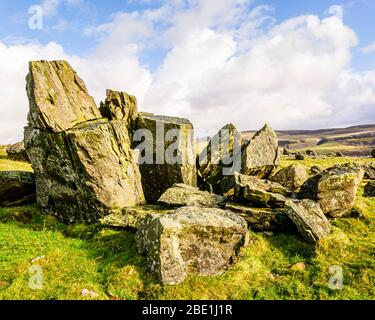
{"points": [[104, 261]]}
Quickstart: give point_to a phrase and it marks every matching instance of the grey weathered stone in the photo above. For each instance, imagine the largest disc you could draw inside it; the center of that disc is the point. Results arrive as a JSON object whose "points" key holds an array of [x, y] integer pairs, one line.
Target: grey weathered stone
{"points": [[316, 170], [369, 190], [291, 177], [181, 195], [167, 169], [58, 98], [132, 217], [262, 219], [335, 189], [216, 157], [261, 192], [193, 240], [84, 173], [299, 156], [17, 152], [261, 154], [311, 153], [309, 219], [17, 188], [121, 106]]}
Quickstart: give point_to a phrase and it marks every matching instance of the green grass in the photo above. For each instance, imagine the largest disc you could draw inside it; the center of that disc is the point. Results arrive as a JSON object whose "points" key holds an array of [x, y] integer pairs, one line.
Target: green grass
{"points": [[105, 261], [9, 165]]}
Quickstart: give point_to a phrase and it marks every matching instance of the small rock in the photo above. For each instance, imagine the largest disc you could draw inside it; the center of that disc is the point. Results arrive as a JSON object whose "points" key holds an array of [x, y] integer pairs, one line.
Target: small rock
{"points": [[311, 153], [88, 293], [37, 259], [299, 157], [316, 170], [373, 153], [17, 152], [369, 190], [339, 154]]}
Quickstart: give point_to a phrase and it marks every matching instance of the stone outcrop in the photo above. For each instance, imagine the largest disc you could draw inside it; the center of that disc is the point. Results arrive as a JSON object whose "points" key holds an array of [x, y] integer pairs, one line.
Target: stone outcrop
{"points": [[132, 217], [309, 219], [58, 98], [261, 154], [262, 219], [202, 241], [84, 166], [291, 177], [261, 192], [181, 195], [17, 188], [218, 156], [335, 190], [369, 190], [17, 152], [166, 167]]}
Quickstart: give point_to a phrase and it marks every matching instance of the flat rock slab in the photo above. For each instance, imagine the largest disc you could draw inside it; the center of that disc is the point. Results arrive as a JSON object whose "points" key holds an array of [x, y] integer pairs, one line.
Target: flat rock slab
{"points": [[335, 189], [58, 97], [260, 192], [17, 188], [132, 217], [263, 219], [309, 219], [181, 195], [202, 241]]}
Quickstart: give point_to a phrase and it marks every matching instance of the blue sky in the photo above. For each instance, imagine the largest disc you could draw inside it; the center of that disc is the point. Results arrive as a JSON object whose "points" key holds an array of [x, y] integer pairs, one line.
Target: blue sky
{"points": [[294, 64]]}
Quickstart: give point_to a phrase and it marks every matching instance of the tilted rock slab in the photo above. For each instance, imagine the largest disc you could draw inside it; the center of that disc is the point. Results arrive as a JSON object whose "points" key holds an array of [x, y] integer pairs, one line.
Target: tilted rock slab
{"points": [[262, 219], [335, 190], [181, 195], [17, 188], [84, 173], [309, 219], [165, 170], [58, 97], [291, 177], [202, 241], [261, 192], [214, 159]]}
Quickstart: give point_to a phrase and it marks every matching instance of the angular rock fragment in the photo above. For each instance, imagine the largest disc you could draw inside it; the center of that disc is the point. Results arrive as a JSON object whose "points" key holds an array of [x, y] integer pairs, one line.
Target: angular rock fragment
{"points": [[58, 98], [181, 195], [217, 157], [17, 152], [335, 190], [84, 173], [262, 219], [309, 219], [17, 188], [132, 217], [260, 192], [291, 177], [202, 241], [170, 142]]}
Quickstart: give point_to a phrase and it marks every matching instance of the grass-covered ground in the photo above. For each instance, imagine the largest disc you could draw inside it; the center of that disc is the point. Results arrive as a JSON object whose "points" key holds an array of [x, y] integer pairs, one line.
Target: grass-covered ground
{"points": [[105, 261]]}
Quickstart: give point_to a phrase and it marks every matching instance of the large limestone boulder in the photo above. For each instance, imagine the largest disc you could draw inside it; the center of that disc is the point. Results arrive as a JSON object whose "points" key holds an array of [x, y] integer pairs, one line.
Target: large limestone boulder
{"points": [[16, 188], [169, 141], [132, 217], [182, 195], [85, 172], [309, 219], [261, 154], [58, 97], [291, 177], [217, 157], [17, 152], [262, 219], [121, 106], [335, 190], [193, 240], [261, 192]]}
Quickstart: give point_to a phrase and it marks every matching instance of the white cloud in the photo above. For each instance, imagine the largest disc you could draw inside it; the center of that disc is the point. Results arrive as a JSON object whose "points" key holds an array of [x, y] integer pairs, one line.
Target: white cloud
{"points": [[50, 7], [226, 63], [369, 49]]}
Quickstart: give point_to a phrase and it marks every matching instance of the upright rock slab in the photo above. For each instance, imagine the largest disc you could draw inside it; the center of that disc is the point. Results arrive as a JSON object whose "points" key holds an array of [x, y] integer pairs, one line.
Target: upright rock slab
{"points": [[58, 97], [201, 241], [261, 154], [217, 157], [309, 219], [170, 142], [335, 190]]}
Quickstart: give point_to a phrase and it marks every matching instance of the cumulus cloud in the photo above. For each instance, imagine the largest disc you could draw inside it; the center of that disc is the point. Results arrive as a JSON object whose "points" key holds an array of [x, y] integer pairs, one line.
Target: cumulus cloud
{"points": [[228, 62], [369, 49]]}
